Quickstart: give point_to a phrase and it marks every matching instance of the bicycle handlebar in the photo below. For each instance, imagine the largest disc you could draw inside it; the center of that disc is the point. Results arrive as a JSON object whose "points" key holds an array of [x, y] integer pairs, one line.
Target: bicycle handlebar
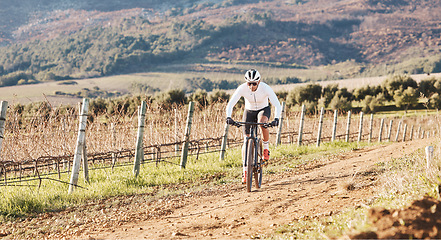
{"points": [[240, 124]]}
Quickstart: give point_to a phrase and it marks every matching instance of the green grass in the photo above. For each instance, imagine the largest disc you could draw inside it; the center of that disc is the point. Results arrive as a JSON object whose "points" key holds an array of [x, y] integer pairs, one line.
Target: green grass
{"points": [[208, 170], [325, 227], [406, 180]]}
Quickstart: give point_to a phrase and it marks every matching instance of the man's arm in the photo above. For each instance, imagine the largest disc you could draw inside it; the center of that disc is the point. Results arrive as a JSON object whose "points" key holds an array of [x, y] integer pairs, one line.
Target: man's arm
{"points": [[233, 100], [275, 101]]}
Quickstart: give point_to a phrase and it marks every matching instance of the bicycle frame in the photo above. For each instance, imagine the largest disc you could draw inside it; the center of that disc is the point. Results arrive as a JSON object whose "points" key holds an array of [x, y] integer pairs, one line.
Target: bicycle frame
{"points": [[253, 154], [255, 138]]}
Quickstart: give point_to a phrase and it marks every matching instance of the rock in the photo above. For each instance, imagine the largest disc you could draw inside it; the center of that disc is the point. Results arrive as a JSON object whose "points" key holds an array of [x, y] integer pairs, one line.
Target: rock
{"points": [[178, 234]]}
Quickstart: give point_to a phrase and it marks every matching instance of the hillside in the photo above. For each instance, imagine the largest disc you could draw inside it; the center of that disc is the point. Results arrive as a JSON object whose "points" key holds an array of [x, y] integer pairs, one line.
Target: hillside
{"points": [[16, 16], [56, 40]]}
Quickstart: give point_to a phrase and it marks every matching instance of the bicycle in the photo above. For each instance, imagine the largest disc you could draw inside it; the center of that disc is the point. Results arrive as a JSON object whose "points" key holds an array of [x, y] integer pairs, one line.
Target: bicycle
{"points": [[253, 154]]}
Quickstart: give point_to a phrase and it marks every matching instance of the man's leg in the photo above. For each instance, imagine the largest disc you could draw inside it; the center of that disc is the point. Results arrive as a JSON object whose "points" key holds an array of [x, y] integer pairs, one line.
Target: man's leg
{"points": [[265, 131], [265, 138]]}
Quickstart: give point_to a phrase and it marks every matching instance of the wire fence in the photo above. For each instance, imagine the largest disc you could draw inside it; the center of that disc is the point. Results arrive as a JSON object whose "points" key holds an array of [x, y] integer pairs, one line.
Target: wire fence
{"points": [[48, 166], [41, 147]]}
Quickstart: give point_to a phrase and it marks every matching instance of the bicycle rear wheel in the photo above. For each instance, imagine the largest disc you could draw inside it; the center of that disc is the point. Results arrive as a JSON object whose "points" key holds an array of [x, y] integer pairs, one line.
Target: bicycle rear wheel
{"points": [[258, 171], [250, 152]]}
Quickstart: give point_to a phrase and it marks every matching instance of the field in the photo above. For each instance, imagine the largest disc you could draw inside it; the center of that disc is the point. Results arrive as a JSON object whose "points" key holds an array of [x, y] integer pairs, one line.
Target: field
{"points": [[308, 192], [206, 198], [174, 77]]}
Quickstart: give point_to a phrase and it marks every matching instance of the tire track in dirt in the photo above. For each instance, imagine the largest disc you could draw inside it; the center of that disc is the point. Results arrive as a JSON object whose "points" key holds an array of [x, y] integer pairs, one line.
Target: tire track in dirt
{"points": [[320, 188]]}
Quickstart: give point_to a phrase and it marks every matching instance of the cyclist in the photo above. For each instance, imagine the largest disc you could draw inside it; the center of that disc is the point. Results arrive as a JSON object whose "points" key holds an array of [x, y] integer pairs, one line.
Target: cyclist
{"points": [[256, 94]]}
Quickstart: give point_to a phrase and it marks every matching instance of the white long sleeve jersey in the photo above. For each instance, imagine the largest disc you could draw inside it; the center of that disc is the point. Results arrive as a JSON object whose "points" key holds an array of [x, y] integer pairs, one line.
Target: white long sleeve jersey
{"points": [[255, 100]]}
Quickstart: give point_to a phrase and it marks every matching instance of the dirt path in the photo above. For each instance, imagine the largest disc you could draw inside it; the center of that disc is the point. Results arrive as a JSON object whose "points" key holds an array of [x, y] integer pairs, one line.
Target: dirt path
{"points": [[229, 212]]}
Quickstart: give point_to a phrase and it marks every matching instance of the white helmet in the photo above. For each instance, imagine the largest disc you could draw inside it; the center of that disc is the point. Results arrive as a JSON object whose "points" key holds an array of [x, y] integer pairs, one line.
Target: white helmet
{"points": [[252, 75]]}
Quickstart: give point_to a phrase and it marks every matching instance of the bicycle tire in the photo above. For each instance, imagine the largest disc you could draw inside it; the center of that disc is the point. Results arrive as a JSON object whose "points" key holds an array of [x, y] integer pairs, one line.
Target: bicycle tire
{"points": [[258, 171], [250, 162]]}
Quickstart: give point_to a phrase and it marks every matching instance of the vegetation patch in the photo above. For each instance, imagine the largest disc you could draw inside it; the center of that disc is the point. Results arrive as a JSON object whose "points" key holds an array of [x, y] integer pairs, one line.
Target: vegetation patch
{"points": [[33, 198], [407, 208]]}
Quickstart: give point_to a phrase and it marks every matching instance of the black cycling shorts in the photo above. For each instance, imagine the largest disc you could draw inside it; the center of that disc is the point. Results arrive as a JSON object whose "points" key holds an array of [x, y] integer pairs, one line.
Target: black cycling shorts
{"points": [[252, 116]]}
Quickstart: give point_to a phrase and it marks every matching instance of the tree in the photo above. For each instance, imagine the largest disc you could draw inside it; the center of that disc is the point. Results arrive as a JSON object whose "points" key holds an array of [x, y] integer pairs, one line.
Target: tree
{"points": [[142, 88], [361, 93], [340, 103], [310, 106], [427, 87], [437, 86], [98, 106], [299, 95], [397, 82], [281, 95], [225, 84], [406, 98], [200, 97], [290, 99], [168, 99], [370, 104], [344, 92], [435, 101], [218, 96], [200, 83], [328, 93]]}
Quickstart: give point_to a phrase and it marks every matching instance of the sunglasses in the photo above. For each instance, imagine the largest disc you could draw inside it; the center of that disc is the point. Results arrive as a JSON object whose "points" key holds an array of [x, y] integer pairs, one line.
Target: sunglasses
{"points": [[252, 84]]}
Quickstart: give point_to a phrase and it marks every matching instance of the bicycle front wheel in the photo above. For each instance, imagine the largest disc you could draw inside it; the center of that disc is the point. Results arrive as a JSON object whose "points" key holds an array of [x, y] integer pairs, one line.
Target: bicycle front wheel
{"points": [[250, 152]]}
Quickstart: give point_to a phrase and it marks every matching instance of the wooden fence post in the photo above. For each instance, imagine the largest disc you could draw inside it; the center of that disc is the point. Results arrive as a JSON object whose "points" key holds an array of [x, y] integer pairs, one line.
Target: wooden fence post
{"points": [[187, 135], [404, 132], [398, 131], [139, 152], [348, 126], [390, 130], [360, 129], [334, 127], [419, 132], [411, 133], [302, 120], [279, 131], [380, 134], [319, 133], [3, 108], [429, 156], [113, 130], [85, 163], [371, 125], [81, 139], [84, 156], [224, 142]]}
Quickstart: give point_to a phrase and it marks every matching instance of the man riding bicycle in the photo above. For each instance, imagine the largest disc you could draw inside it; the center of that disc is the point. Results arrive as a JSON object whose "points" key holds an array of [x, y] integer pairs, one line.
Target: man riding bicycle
{"points": [[257, 109]]}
